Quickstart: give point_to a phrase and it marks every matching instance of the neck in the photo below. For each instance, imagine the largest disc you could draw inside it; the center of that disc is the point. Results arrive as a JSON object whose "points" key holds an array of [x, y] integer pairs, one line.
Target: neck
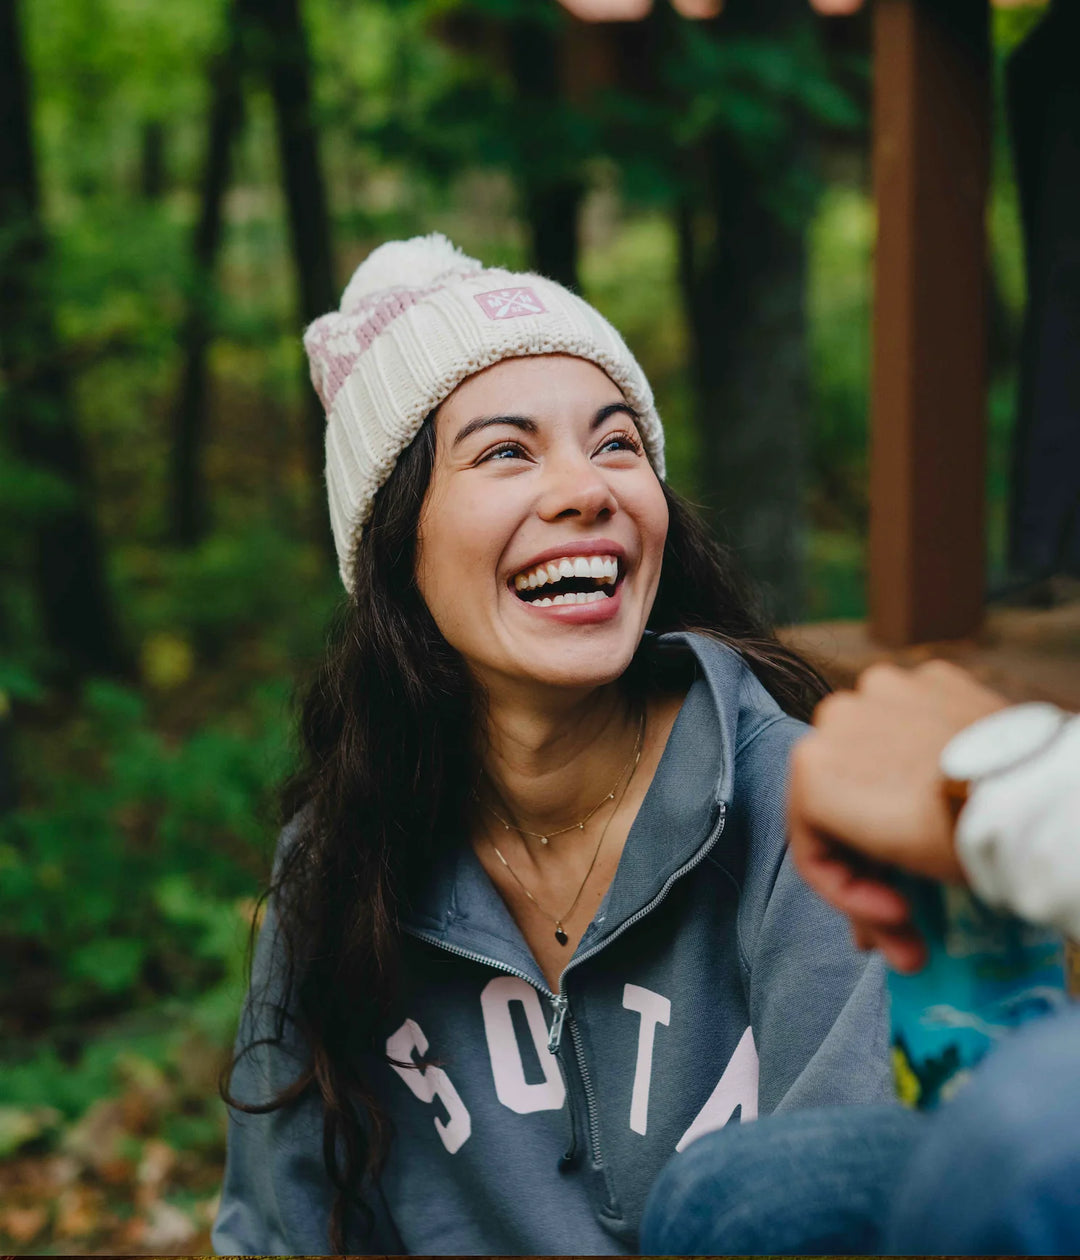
{"points": [[550, 766]]}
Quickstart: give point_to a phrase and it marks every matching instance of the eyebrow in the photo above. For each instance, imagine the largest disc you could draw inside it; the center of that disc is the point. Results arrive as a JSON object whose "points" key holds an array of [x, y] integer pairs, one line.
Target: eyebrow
{"points": [[526, 424]]}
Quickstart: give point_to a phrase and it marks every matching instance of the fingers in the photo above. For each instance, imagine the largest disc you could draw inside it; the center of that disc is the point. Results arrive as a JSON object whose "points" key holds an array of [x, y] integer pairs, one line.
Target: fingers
{"points": [[852, 884], [860, 896], [879, 915], [902, 947], [865, 796], [835, 710], [935, 687], [884, 681]]}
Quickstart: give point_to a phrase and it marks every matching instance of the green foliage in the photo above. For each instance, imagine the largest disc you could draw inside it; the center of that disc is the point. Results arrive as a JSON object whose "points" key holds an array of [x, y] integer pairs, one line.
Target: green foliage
{"points": [[836, 573], [645, 249], [101, 70], [838, 307], [123, 873], [28, 494], [755, 92], [1011, 26], [754, 89]]}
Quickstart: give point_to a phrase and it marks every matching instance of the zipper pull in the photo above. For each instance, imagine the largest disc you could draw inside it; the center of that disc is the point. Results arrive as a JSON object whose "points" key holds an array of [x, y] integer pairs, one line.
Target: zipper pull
{"points": [[560, 1005]]}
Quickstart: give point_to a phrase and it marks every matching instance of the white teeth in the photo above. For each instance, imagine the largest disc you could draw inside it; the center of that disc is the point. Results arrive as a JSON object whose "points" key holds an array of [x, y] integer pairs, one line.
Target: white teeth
{"points": [[602, 569], [579, 597], [545, 602]]}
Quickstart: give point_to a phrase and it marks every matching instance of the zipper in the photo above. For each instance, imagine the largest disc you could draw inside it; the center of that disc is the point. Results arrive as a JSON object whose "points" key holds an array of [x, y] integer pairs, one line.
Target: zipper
{"points": [[560, 1002], [591, 1110], [481, 958], [560, 1007], [696, 860]]}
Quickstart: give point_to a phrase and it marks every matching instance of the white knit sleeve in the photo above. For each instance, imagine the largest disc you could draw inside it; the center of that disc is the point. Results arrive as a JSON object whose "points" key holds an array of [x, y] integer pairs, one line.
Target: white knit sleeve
{"points": [[1018, 836]]}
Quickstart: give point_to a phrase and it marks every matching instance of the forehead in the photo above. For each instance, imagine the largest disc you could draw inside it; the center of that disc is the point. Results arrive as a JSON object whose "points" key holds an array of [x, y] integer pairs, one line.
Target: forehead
{"points": [[533, 383]]}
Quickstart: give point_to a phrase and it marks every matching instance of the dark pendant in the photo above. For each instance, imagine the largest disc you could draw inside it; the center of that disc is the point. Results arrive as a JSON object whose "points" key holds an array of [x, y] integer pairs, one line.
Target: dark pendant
{"points": [[560, 935]]}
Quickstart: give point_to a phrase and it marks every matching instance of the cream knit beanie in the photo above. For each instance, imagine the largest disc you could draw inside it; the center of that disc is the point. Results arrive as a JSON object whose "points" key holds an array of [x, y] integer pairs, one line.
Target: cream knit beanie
{"points": [[416, 319]]}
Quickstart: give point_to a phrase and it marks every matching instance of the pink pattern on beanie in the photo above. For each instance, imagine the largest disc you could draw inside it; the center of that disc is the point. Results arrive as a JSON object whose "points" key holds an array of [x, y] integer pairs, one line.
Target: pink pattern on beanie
{"points": [[335, 343], [374, 298]]}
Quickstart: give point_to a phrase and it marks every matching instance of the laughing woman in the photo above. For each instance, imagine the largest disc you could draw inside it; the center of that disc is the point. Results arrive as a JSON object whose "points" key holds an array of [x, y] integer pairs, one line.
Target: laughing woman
{"points": [[531, 928]]}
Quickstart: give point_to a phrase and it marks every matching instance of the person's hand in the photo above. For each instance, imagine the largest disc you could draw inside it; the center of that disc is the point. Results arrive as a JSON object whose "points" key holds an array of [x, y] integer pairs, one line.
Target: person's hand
{"points": [[866, 795]]}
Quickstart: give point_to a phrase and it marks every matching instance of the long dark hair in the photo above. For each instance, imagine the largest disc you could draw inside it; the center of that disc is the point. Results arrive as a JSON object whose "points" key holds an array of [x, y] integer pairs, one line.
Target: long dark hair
{"points": [[385, 772]]}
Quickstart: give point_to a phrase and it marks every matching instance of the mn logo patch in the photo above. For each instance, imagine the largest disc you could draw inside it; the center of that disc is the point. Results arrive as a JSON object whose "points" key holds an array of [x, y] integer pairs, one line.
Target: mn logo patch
{"points": [[510, 303]]}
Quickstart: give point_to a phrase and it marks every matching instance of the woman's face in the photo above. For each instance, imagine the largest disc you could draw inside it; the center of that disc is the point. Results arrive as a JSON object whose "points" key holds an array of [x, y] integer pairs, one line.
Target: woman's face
{"points": [[543, 527]]}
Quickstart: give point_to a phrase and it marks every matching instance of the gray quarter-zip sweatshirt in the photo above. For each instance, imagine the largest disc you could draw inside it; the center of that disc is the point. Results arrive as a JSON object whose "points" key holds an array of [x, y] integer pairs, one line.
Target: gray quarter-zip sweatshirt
{"points": [[711, 987]]}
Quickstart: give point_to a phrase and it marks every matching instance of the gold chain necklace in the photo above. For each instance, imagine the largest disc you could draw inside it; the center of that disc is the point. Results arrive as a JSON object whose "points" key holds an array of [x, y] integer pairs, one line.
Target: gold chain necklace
{"points": [[560, 931], [544, 837]]}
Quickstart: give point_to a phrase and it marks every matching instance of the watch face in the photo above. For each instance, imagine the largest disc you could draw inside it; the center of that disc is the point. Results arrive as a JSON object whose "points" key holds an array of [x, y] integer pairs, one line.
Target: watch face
{"points": [[995, 743]]}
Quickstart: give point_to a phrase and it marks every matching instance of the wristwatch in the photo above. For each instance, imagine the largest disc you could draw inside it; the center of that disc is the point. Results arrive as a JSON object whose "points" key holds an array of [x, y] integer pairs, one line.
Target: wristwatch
{"points": [[996, 744]]}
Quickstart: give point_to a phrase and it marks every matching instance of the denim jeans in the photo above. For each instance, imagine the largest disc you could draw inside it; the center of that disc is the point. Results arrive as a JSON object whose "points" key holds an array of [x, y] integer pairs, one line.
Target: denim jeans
{"points": [[998, 1171], [994, 1171], [805, 1183]]}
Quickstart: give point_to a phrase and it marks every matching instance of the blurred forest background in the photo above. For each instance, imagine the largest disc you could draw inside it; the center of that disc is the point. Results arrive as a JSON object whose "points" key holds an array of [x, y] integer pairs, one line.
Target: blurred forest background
{"points": [[182, 187]]}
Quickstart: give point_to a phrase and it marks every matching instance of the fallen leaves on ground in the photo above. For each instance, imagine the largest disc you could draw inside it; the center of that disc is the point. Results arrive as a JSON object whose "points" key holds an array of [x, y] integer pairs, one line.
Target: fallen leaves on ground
{"points": [[112, 1183]]}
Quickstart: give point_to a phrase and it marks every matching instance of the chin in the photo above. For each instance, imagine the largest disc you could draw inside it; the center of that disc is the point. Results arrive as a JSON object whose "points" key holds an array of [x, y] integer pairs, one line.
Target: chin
{"points": [[579, 667]]}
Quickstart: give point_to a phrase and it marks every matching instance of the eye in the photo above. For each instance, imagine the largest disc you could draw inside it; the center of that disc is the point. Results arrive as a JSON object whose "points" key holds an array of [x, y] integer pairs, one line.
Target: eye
{"points": [[621, 442], [505, 450]]}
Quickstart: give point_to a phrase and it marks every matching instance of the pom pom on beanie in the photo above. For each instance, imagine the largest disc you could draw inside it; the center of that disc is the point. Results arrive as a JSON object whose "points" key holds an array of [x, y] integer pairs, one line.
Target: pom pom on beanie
{"points": [[416, 319], [422, 261]]}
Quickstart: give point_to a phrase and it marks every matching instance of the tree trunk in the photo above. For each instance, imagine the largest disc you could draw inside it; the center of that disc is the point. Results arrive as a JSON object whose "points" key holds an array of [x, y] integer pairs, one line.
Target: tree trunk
{"points": [[188, 498], [551, 197], [551, 211], [1043, 97], [153, 174], [9, 787], [68, 563], [742, 270], [279, 47]]}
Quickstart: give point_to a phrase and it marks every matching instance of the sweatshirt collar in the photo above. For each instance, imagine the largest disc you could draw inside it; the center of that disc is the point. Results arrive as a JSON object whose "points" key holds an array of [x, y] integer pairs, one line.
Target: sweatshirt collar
{"points": [[678, 818]]}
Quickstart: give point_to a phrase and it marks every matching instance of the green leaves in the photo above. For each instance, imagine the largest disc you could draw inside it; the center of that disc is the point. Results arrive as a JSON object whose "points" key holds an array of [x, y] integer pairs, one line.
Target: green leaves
{"points": [[755, 89], [752, 91], [123, 879], [112, 964], [22, 1125]]}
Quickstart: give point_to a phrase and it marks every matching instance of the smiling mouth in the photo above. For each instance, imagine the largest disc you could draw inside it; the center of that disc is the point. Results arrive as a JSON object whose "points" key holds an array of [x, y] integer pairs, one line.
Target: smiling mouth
{"points": [[569, 580]]}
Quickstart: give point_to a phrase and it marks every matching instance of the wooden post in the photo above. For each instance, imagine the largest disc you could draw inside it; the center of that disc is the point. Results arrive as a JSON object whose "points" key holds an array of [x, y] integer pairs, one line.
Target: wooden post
{"points": [[931, 154]]}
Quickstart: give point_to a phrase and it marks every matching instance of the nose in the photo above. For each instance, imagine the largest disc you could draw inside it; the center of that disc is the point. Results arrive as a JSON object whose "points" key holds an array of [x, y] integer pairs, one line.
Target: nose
{"points": [[574, 486]]}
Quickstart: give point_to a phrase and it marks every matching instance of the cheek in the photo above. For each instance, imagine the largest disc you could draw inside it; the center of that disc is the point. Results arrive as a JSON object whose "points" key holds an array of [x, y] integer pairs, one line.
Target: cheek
{"points": [[433, 552], [456, 555], [652, 514]]}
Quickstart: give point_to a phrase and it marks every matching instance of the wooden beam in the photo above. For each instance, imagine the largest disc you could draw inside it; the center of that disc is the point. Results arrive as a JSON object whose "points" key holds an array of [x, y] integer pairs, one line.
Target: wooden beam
{"points": [[931, 154]]}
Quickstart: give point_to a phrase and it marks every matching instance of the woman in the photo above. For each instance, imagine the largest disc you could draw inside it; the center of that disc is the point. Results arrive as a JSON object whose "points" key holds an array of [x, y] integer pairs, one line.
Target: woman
{"points": [[531, 927]]}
